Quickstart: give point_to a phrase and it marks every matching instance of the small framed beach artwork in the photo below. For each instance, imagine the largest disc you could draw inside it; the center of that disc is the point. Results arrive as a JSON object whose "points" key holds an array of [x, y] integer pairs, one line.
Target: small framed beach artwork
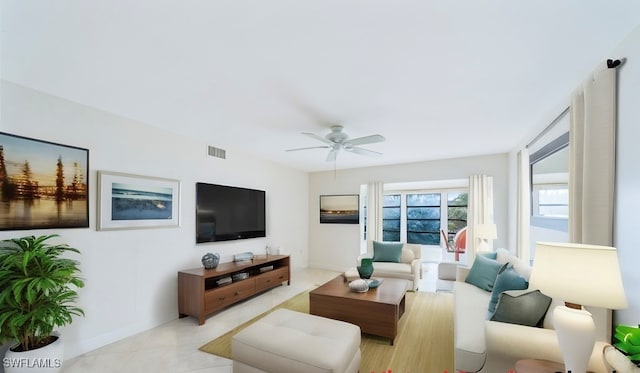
{"points": [[43, 185], [340, 209], [132, 201]]}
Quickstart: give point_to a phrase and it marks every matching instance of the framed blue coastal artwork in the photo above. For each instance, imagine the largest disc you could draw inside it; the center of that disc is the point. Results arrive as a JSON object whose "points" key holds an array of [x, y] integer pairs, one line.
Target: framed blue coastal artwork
{"points": [[43, 185], [340, 209], [131, 201]]}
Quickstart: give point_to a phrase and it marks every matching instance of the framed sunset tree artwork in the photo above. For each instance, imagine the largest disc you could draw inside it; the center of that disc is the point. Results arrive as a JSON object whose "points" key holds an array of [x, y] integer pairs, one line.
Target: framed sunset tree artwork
{"points": [[42, 184]]}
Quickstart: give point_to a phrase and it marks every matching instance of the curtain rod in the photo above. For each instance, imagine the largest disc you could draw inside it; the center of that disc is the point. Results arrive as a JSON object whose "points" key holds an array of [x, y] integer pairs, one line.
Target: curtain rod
{"points": [[612, 64], [549, 127]]}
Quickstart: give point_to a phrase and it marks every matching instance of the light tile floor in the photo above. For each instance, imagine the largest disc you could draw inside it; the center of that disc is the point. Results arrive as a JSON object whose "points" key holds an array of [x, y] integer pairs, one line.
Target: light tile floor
{"points": [[173, 347]]}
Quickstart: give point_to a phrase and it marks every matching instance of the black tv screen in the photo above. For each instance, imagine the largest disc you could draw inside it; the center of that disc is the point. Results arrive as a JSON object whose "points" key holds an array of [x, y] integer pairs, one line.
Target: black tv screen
{"points": [[226, 213]]}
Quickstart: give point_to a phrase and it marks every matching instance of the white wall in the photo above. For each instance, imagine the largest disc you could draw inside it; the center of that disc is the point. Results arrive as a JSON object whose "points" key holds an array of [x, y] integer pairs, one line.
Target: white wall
{"points": [[626, 236], [337, 246], [131, 275]]}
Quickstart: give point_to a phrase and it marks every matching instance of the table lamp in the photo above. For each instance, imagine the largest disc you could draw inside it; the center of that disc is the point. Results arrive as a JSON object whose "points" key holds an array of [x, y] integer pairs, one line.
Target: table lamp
{"points": [[580, 275], [485, 232]]}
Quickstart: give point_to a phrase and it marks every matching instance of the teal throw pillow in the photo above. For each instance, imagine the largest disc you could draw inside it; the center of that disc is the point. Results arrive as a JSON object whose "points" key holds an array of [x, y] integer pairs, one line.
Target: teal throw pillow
{"points": [[387, 251], [509, 279], [483, 272], [522, 307]]}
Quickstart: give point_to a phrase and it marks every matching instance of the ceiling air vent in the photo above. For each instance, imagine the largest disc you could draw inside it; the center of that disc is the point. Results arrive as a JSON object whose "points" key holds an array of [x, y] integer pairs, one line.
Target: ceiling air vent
{"points": [[217, 152]]}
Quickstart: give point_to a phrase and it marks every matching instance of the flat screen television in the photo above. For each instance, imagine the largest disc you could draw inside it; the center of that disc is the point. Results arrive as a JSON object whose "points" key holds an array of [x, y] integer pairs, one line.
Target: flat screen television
{"points": [[226, 213]]}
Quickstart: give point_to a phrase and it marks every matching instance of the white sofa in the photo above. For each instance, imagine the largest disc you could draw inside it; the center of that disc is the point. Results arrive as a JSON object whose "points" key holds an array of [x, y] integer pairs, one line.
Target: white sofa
{"points": [[409, 267], [494, 347]]}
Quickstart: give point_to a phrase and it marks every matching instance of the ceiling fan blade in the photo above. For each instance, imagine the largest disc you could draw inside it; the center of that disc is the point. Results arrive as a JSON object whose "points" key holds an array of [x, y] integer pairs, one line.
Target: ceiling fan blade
{"points": [[319, 138], [361, 151], [332, 155], [366, 140], [312, 147]]}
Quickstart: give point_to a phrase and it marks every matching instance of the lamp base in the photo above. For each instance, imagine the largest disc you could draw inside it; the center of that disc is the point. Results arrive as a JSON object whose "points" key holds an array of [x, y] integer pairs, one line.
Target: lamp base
{"points": [[483, 245], [576, 334]]}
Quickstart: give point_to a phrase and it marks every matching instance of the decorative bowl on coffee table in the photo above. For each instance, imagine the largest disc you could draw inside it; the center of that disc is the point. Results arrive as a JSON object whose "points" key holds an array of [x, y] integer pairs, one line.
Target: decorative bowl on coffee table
{"points": [[374, 282]]}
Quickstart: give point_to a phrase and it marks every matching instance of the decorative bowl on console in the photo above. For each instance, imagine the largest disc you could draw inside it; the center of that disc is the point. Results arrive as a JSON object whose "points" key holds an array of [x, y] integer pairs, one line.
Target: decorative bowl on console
{"points": [[210, 260]]}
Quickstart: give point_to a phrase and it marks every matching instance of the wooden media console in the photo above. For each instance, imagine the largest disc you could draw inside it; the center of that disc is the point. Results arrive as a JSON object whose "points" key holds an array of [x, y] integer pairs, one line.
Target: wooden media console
{"points": [[202, 292]]}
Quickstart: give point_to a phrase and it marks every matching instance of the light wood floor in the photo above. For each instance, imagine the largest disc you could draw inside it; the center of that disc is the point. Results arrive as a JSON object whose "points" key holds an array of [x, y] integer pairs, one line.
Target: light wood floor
{"points": [[173, 347]]}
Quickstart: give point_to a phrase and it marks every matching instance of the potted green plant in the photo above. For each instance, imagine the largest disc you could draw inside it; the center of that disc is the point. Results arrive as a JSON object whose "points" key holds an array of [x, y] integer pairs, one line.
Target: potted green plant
{"points": [[37, 294]]}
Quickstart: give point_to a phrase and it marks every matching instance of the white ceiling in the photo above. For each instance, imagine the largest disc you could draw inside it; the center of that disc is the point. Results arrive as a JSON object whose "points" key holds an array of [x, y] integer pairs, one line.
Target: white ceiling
{"points": [[438, 79]]}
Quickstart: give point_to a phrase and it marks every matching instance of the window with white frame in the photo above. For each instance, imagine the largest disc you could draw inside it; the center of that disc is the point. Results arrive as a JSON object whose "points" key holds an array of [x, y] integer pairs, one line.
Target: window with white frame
{"points": [[550, 200], [391, 213], [421, 217], [550, 185]]}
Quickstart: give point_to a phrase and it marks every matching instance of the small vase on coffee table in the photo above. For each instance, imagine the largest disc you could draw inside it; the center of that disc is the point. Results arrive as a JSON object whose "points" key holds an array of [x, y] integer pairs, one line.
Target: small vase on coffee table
{"points": [[365, 269]]}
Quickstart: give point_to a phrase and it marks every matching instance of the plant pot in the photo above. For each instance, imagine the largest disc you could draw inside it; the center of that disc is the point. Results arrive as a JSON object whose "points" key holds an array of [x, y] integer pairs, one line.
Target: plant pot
{"points": [[3, 349], [44, 359]]}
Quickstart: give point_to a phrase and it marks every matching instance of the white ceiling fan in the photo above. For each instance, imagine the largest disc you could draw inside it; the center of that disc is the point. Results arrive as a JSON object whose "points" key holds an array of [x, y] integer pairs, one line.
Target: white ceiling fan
{"points": [[337, 139]]}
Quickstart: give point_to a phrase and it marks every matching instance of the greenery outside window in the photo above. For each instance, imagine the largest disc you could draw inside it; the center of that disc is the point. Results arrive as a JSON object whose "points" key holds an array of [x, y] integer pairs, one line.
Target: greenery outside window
{"points": [[419, 217], [391, 218], [457, 203], [423, 218]]}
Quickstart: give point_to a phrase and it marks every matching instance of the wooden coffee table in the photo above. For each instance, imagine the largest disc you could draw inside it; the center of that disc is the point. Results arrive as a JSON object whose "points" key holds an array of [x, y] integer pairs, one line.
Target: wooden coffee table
{"points": [[376, 312]]}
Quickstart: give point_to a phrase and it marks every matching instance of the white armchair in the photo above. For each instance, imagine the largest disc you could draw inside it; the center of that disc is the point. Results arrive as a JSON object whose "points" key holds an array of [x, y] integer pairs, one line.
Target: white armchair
{"points": [[409, 267]]}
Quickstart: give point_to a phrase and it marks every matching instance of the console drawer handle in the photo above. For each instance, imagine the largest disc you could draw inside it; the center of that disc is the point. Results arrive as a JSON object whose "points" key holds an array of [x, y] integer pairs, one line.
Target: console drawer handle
{"points": [[221, 298]]}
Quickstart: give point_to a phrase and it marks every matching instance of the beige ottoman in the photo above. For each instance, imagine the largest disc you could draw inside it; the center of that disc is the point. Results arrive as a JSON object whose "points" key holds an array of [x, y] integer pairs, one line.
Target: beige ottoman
{"points": [[288, 341]]}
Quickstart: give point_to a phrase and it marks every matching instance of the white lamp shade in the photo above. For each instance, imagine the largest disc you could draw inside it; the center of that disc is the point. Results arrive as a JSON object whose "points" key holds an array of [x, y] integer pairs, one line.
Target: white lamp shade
{"points": [[576, 273], [485, 231]]}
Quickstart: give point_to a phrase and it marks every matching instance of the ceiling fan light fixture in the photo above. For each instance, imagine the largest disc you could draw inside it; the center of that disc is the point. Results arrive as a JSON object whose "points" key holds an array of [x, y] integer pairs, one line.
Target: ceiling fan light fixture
{"points": [[337, 139], [336, 135]]}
